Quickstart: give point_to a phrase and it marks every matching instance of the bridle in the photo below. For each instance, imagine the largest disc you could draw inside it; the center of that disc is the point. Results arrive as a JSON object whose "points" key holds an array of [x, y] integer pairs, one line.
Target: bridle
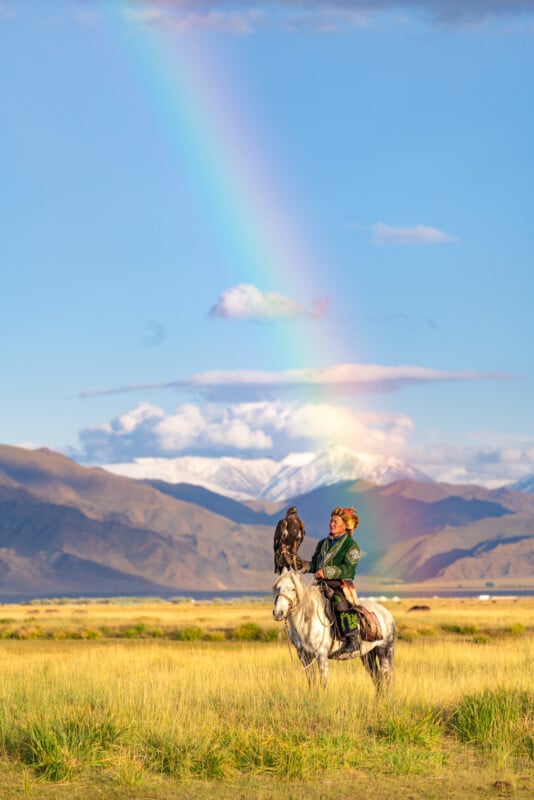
{"points": [[291, 601]]}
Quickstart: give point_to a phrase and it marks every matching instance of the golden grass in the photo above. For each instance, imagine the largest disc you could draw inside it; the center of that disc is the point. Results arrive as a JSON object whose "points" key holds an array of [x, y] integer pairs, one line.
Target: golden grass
{"points": [[165, 618], [51, 618], [156, 718]]}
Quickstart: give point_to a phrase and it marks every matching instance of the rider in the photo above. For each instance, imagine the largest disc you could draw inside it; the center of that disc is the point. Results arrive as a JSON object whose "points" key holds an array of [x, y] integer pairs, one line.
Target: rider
{"points": [[334, 564]]}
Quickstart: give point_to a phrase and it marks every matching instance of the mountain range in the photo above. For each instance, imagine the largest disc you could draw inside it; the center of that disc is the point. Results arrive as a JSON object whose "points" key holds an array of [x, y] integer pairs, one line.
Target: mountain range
{"points": [[526, 484], [69, 529], [267, 479]]}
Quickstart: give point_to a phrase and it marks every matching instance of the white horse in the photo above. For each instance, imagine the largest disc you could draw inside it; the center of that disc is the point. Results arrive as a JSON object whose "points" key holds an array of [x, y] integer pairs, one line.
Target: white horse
{"points": [[310, 627]]}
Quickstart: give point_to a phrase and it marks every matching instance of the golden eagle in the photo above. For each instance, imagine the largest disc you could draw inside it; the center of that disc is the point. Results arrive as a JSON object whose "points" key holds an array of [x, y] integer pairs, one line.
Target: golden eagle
{"points": [[288, 536]]}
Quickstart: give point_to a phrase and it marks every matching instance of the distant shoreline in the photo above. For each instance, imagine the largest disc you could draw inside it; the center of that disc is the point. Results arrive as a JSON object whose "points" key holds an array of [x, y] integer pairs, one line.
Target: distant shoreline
{"points": [[228, 596]]}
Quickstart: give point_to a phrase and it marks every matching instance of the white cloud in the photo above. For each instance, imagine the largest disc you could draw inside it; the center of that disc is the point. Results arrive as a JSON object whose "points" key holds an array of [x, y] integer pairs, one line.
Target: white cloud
{"points": [[371, 433], [273, 428], [489, 466], [146, 431], [338, 379], [360, 376], [177, 431], [246, 301], [210, 428], [417, 234], [132, 419]]}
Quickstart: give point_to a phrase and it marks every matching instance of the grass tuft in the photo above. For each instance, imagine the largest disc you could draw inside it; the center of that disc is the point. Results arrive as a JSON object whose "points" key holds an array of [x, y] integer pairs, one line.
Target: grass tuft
{"points": [[500, 721], [58, 750]]}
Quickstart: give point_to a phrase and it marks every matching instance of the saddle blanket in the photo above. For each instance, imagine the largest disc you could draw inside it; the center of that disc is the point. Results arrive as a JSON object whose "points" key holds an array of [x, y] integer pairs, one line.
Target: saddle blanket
{"points": [[370, 628]]}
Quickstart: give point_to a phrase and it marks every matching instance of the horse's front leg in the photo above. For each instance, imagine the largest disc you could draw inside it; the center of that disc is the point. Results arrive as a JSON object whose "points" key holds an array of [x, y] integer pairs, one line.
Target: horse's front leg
{"points": [[321, 658], [307, 659]]}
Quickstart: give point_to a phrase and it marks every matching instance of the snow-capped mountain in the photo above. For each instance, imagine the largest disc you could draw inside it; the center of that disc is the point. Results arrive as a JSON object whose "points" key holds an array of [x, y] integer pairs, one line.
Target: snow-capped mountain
{"points": [[239, 478], [336, 465], [267, 479], [524, 485]]}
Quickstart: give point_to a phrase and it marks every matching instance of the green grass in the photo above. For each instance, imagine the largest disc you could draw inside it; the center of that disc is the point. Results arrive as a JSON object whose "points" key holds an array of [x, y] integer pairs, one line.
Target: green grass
{"points": [[499, 721], [211, 711]]}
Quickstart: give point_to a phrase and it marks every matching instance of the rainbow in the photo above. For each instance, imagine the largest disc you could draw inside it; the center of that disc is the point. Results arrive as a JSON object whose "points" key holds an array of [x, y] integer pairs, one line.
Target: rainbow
{"points": [[204, 113], [202, 109]]}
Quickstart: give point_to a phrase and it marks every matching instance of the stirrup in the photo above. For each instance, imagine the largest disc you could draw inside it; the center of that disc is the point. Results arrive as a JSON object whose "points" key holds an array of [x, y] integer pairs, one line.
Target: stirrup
{"points": [[349, 649]]}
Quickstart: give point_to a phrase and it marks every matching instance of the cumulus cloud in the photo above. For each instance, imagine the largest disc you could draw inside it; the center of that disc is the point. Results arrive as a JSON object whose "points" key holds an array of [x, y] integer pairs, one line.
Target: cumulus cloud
{"points": [[417, 234], [268, 428], [337, 380], [146, 430], [274, 429], [196, 428], [489, 466], [130, 432], [247, 302]]}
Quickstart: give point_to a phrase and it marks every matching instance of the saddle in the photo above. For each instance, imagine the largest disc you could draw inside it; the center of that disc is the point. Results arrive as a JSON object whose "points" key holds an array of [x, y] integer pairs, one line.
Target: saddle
{"points": [[370, 628]]}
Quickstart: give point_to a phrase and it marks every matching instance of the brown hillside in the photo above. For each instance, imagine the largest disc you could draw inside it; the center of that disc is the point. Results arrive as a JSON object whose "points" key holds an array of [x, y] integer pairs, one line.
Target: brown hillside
{"points": [[71, 529]]}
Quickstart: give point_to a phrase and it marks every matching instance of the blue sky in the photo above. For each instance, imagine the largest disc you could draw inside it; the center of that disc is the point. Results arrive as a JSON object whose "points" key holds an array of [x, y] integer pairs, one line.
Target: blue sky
{"points": [[256, 228]]}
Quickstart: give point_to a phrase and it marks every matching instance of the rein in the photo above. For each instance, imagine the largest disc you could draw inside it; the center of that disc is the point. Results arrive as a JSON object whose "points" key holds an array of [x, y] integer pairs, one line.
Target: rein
{"points": [[289, 599], [291, 605], [323, 618], [292, 655]]}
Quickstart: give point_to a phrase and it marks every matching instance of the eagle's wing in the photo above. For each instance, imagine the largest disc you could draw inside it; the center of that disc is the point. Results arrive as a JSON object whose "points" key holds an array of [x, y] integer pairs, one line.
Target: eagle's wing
{"points": [[300, 535], [296, 534], [280, 533]]}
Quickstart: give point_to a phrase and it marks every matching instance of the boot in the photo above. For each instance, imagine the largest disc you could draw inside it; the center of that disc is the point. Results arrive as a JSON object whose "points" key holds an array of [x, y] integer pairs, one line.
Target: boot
{"points": [[348, 624], [349, 648]]}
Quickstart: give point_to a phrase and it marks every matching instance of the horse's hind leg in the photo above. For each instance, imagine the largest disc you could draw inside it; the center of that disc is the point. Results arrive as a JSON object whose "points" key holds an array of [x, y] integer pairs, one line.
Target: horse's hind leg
{"points": [[378, 665], [385, 666], [371, 666]]}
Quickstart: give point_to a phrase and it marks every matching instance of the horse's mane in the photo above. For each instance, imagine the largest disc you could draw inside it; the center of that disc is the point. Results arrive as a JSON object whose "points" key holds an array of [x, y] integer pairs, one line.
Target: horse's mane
{"points": [[308, 596]]}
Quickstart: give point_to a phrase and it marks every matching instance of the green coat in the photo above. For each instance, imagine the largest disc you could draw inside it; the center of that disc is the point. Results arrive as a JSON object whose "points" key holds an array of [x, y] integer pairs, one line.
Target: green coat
{"points": [[337, 562]]}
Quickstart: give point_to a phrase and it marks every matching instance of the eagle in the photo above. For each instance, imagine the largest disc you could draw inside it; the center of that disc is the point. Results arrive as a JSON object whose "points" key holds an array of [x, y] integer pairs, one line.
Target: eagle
{"points": [[288, 536]]}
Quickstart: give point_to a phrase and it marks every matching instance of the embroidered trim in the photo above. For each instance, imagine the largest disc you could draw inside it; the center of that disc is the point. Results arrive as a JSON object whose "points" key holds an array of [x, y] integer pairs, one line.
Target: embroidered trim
{"points": [[331, 572]]}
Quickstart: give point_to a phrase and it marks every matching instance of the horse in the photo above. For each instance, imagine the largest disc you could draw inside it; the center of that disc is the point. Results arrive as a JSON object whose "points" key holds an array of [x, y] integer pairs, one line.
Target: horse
{"points": [[309, 620]]}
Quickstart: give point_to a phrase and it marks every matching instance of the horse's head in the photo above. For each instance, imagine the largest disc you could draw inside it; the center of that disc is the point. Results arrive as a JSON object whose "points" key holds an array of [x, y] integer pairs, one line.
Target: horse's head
{"points": [[287, 591]]}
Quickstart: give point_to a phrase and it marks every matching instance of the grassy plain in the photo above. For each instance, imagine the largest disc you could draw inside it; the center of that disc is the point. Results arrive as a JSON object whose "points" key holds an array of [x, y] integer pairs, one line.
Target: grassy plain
{"points": [[155, 700]]}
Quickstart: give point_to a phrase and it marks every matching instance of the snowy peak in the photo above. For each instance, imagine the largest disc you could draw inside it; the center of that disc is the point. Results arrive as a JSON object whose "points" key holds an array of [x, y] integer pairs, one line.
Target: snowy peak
{"points": [[266, 479], [336, 465], [238, 478], [524, 485]]}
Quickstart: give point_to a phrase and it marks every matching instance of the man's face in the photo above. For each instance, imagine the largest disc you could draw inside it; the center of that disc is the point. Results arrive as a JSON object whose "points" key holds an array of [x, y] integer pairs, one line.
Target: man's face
{"points": [[337, 525]]}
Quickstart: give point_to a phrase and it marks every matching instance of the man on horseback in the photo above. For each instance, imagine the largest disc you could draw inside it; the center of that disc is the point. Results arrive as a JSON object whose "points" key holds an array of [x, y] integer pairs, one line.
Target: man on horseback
{"points": [[334, 565]]}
